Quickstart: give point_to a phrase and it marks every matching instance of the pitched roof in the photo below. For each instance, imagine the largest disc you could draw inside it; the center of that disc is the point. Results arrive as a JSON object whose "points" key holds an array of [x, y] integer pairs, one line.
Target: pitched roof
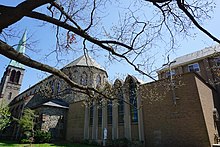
{"points": [[59, 103], [56, 103], [85, 60], [20, 49]]}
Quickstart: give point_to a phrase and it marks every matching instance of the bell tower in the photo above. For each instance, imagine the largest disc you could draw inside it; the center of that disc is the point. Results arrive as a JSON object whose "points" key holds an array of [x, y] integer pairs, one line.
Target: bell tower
{"points": [[12, 79]]}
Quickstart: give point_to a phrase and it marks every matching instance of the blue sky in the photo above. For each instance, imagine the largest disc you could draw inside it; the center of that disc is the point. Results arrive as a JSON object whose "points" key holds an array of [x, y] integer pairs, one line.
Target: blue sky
{"points": [[44, 40]]}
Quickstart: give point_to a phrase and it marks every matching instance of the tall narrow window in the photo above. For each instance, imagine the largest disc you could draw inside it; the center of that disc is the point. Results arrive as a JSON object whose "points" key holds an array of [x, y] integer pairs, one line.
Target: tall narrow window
{"points": [[84, 79], [133, 101], [12, 77], [120, 107], [58, 87], [51, 84], [99, 113], [91, 115], [109, 112], [75, 75], [9, 95], [70, 73], [98, 80], [17, 77]]}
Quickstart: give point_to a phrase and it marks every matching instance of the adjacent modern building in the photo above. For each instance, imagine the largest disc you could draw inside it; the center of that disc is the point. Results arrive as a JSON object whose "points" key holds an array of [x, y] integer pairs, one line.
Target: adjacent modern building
{"points": [[181, 108]]}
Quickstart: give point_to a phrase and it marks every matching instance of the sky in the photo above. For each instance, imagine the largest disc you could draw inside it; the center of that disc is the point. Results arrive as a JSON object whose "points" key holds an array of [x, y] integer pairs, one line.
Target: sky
{"points": [[43, 40]]}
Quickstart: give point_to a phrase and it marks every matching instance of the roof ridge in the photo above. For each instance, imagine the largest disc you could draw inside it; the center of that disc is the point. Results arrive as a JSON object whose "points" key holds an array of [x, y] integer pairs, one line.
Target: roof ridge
{"points": [[84, 60]]}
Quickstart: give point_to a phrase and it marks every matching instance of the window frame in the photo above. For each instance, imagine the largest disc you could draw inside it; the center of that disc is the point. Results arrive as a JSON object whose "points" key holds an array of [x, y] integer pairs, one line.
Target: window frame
{"points": [[217, 61], [84, 79], [173, 73], [98, 80], [109, 112], [120, 107], [91, 109], [193, 67], [133, 100]]}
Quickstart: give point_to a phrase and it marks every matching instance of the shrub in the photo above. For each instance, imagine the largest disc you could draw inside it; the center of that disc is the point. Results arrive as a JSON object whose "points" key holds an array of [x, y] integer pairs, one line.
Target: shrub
{"points": [[42, 136], [25, 141], [120, 142], [85, 141]]}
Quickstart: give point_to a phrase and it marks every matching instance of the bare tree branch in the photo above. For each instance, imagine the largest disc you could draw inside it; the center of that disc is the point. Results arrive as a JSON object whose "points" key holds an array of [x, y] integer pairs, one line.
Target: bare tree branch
{"points": [[182, 7], [11, 16]]}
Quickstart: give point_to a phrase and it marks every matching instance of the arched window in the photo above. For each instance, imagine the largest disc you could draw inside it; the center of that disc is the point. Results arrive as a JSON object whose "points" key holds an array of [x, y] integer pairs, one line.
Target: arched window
{"points": [[99, 113], [12, 77], [133, 101], [75, 75], [9, 95], [70, 74], [98, 80], [84, 79], [91, 115], [58, 87], [109, 112], [51, 86], [17, 77], [120, 106]]}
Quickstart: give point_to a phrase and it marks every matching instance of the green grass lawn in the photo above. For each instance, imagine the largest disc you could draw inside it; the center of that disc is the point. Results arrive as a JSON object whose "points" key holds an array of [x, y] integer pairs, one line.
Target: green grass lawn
{"points": [[15, 144]]}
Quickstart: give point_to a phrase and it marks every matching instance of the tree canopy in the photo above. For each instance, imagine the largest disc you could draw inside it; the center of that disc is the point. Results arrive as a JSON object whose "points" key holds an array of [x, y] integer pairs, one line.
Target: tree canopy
{"points": [[5, 117]]}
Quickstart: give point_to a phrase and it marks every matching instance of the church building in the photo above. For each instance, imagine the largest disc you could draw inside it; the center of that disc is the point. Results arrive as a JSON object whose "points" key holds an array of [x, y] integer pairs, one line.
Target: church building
{"points": [[181, 108]]}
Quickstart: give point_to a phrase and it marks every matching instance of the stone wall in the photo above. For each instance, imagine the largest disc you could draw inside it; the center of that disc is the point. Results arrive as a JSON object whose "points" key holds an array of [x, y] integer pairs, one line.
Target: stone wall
{"points": [[53, 120]]}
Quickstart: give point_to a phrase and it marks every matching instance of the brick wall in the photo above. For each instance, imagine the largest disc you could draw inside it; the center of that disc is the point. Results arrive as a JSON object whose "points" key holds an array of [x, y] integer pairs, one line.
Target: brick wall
{"points": [[183, 124], [207, 106]]}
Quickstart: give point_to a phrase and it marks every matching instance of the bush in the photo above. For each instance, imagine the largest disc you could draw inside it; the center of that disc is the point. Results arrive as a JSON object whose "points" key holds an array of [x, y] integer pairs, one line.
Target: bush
{"points": [[42, 136], [25, 141], [123, 142], [27, 137], [85, 141], [29, 140]]}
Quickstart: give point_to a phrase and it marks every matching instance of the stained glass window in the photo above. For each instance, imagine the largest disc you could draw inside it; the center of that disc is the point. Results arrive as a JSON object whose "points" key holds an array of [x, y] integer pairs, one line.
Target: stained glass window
{"points": [[133, 101]]}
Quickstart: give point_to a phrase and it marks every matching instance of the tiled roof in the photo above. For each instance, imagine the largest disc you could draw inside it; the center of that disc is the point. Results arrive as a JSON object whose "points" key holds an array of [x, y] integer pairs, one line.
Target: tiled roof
{"points": [[85, 60], [59, 103], [56, 103]]}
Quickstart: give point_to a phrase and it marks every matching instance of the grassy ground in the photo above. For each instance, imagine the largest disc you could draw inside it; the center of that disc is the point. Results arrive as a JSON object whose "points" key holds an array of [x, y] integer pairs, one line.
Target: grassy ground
{"points": [[14, 144]]}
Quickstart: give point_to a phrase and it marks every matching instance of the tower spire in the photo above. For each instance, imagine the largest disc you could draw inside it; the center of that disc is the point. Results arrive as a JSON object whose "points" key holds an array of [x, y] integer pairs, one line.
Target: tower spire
{"points": [[21, 49]]}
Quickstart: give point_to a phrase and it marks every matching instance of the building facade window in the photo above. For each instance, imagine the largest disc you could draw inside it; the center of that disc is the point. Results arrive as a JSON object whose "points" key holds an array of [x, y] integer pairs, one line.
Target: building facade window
{"points": [[109, 112], [70, 74], [84, 79], [75, 75], [51, 84], [120, 107], [133, 101], [12, 77], [58, 87], [91, 115], [17, 77], [99, 114], [98, 80], [9, 95], [217, 62], [193, 67], [170, 73]]}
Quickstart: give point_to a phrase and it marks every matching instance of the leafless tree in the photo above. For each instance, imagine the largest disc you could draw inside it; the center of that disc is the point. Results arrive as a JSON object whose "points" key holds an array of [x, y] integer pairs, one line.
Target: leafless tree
{"points": [[140, 25]]}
